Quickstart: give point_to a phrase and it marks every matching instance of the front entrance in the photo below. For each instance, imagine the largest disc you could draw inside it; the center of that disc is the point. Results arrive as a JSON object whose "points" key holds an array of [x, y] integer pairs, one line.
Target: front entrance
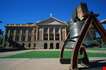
{"points": [[57, 45], [45, 45], [51, 45]]}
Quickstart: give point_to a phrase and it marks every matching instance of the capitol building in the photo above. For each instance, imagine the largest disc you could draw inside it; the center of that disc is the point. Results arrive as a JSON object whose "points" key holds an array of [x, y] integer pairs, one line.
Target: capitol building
{"points": [[50, 33], [46, 34]]}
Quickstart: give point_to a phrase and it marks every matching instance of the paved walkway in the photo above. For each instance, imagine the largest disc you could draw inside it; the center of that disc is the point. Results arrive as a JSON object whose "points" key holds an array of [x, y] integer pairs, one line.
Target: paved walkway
{"points": [[33, 64]]}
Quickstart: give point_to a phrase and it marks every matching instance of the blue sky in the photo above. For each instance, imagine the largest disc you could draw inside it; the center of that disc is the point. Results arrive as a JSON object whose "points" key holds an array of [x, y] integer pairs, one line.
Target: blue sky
{"points": [[25, 11]]}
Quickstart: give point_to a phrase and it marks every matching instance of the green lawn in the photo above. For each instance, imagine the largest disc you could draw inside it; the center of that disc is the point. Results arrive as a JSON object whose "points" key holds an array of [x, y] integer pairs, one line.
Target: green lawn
{"points": [[50, 54]]}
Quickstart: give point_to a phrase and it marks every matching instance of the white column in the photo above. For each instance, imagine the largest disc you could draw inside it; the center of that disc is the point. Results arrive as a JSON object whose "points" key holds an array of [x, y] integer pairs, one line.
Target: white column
{"points": [[48, 33], [65, 34], [37, 34], [60, 34], [26, 37], [8, 35], [32, 35], [4, 38], [54, 33], [14, 35], [42, 33], [20, 36]]}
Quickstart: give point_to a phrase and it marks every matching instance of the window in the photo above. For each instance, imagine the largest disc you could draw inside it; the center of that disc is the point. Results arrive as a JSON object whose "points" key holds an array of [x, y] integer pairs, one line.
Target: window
{"points": [[45, 36], [11, 34], [51, 45], [45, 45], [57, 29], [23, 35], [29, 35], [34, 45], [51, 30], [35, 35], [17, 35], [29, 45], [56, 33], [57, 45], [6, 35], [45, 29], [51, 36], [45, 33], [23, 45], [57, 37]]}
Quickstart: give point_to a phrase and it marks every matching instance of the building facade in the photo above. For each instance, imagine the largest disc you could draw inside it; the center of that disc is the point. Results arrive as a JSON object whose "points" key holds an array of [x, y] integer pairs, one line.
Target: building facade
{"points": [[50, 33], [46, 34]]}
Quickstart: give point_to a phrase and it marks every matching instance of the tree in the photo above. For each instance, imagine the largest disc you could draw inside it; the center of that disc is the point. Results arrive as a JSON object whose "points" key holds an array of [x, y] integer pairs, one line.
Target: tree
{"points": [[1, 36]]}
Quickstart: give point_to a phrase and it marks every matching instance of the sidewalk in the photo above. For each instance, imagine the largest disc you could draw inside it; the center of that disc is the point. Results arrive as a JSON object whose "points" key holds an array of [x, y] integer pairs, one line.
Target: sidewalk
{"points": [[34, 64]]}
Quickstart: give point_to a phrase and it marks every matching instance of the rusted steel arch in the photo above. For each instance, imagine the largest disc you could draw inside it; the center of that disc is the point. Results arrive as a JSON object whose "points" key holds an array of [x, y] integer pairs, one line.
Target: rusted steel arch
{"points": [[90, 20], [62, 60], [74, 60]]}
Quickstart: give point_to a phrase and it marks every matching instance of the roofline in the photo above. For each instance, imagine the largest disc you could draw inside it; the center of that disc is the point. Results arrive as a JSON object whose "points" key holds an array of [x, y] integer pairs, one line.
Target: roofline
{"points": [[51, 17], [58, 19], [21, 25]]}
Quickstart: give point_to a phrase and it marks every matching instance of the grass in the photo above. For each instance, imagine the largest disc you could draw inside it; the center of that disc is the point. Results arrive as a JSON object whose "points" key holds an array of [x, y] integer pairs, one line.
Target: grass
{"points": [[36, 54], [50, 54]]}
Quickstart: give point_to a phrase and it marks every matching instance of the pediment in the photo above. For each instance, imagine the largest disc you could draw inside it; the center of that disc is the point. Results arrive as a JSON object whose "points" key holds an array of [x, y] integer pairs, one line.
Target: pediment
{"points": [[55, 23], [51, 21]]}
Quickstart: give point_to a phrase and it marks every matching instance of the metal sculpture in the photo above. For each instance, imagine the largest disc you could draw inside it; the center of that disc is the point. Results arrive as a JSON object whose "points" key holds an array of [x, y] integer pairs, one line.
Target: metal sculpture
{"points": [[90, 19]]}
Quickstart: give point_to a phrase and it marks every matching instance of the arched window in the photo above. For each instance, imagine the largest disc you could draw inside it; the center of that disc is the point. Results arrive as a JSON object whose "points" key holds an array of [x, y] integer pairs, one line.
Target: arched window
{"points": [[57, 45], [29, 45], [34, 45], [51, 45], [23, 44], [45, 45]]}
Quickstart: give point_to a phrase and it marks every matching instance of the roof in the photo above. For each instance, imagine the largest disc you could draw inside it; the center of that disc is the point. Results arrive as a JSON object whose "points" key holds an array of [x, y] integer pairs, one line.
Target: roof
{"points": [[51, 21]]}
